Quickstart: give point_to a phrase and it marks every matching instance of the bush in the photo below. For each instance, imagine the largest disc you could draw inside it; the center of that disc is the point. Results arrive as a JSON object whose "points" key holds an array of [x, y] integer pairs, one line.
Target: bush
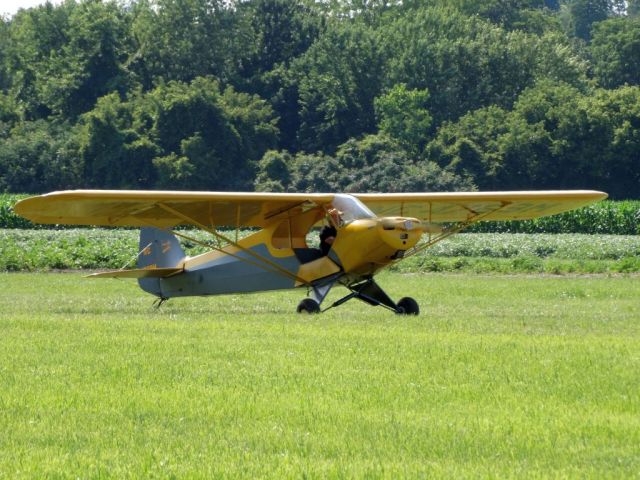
{"points": [[8, 219]]}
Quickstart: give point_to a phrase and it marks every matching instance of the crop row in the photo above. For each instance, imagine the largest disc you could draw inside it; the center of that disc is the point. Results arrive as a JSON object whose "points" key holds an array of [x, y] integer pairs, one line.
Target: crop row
{"points": [[565, 246], [102, 248], [529, 253]]}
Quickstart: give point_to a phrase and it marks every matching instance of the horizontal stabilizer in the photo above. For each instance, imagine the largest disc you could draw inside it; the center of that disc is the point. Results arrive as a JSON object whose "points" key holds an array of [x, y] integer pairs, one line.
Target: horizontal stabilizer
{"points": [[139, 273]]}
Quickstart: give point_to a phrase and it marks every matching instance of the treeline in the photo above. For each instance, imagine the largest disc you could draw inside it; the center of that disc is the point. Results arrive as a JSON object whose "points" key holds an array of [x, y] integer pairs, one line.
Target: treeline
{"points": [[297, 95]]}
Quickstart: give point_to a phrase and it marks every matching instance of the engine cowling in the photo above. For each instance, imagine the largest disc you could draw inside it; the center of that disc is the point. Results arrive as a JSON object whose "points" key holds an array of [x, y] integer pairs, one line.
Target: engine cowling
{"points": [[364, 246]]}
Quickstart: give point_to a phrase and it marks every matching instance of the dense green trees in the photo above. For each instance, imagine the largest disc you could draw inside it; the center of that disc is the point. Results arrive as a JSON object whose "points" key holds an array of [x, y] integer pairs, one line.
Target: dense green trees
{"points": [[404, 115], [291, 95], [38, 156], [337, 80], [569, 140], [585, 14], [374, 163], [615, 49], [64, 58], [189, 136], [180, 39]]}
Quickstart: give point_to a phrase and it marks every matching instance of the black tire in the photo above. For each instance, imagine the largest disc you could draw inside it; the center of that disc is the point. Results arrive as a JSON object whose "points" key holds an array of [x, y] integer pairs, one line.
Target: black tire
{"points": [[308, 305], [408, 306]]}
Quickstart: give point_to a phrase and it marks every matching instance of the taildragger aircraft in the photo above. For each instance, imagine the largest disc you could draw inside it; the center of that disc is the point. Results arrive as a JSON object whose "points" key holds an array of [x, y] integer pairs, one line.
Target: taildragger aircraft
{"points": [[372, 231]]}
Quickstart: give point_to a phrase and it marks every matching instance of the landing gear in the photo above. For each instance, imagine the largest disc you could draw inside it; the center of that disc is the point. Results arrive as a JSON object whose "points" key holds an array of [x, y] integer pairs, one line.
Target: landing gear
{"points": [[317, 294], [366, 290], [408, 306], [159, 301], [308, 305]]}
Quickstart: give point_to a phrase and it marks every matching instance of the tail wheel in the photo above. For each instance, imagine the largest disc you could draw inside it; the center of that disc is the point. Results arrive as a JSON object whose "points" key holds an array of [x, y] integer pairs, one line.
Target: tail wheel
{"points": [[308, 305], [408, 306]]}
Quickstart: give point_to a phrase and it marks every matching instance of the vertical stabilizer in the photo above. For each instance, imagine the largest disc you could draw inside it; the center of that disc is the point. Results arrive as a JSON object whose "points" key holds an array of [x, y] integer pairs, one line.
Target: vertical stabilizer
{"points": [[158, 249]]}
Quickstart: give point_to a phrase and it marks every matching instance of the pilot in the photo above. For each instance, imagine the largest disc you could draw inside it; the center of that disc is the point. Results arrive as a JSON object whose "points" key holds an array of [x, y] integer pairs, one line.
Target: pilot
{"points": [[327, 237]]}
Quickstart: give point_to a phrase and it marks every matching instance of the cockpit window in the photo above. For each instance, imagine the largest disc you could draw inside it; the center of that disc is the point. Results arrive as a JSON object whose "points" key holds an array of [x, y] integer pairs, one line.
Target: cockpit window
{"points": [[347, 209]]}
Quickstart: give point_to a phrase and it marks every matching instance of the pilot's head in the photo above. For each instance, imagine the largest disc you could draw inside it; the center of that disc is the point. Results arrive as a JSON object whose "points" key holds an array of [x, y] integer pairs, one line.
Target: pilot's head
{"points": [[328, 234]]}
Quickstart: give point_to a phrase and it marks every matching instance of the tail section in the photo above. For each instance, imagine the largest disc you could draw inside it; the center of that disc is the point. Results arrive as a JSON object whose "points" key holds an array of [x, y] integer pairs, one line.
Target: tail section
{"points": [[158, 249]]}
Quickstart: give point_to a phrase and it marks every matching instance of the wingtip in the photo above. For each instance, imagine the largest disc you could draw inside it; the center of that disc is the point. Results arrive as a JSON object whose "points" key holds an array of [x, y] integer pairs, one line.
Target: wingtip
{"points": [[21, 207]]}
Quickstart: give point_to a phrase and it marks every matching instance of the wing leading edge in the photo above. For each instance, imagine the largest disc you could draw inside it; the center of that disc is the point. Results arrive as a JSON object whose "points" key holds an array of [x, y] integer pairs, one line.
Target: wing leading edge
{"points": [[462, 206], [163, 209], [167, 209]]}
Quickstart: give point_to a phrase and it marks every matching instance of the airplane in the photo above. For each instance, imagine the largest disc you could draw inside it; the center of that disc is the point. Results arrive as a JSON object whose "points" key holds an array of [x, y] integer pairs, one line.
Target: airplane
{"points": [[372, 232]]}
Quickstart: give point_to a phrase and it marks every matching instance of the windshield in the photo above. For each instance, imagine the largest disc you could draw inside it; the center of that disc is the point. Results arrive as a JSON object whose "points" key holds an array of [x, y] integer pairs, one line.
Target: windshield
{"points": [[349, 208]]}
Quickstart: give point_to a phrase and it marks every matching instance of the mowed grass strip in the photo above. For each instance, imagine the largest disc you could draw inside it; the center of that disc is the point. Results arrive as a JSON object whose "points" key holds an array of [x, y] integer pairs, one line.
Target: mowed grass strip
{"points": [[515, 376]]}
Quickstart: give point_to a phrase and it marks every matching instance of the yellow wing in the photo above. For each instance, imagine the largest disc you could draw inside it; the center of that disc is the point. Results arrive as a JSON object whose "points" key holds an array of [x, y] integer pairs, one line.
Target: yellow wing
{"points": [[465, 206], [164, 209], [214, 209]]}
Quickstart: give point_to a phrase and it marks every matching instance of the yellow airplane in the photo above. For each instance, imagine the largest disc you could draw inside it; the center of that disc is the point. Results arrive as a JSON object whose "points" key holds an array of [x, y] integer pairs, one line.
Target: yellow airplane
{"points": [[366, 233]]}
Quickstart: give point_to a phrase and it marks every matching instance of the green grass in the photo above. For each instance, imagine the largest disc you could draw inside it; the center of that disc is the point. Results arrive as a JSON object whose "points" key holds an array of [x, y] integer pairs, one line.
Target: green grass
{"points": [[518, 376]]}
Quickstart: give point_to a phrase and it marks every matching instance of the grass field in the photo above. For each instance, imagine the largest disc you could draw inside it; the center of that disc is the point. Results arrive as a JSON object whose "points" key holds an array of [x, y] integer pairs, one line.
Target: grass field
{"points": [[501, 376]]}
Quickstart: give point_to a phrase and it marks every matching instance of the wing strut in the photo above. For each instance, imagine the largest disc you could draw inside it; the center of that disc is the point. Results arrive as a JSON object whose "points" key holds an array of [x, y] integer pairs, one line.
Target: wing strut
{"points": [[279, 271], [456, 228], [274, 266]]}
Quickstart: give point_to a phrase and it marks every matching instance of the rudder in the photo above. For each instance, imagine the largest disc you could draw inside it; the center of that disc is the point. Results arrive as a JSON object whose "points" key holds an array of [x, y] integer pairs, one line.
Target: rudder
{"points": [[158, 249]]}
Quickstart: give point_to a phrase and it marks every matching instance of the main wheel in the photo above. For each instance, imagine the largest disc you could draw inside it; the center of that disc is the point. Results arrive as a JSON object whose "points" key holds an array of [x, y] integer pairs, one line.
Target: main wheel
{"points": [[308, 305], [408, 306]]}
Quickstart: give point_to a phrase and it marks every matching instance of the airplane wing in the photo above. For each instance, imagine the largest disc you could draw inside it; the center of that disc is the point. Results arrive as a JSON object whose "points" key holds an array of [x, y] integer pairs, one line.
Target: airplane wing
{"points": [[164, 209], [473, 206]]}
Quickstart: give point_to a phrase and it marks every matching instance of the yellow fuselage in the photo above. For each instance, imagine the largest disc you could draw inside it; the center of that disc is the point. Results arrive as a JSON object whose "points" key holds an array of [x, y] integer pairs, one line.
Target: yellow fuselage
{"points": [[361, 248], [365, 246]]}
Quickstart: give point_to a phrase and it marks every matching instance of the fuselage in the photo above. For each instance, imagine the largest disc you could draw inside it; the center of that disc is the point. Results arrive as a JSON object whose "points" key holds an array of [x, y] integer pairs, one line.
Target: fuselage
{"points": [[263, 261], [365, 246]]}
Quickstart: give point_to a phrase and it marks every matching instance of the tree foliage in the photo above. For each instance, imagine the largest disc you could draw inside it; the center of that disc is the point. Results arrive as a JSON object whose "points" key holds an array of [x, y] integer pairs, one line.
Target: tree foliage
{"points": [[343, 95], [467, 63], [569, 140], [179, 135], [615, 48], [38, 156], [403, 115], [338, 79], [375, 163]]}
